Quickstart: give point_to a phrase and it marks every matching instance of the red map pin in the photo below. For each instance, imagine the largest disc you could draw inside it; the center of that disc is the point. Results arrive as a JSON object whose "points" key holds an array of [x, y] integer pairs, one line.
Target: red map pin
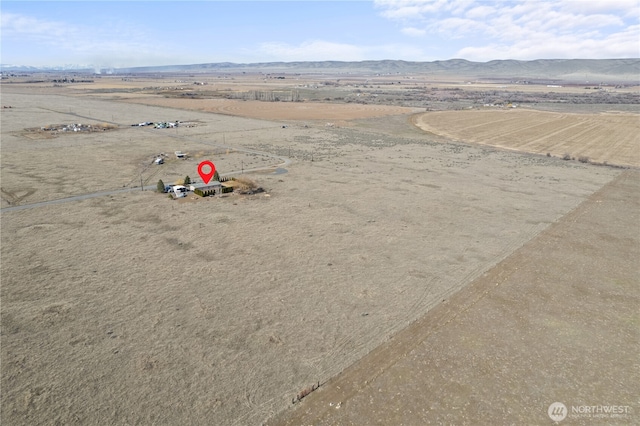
{"points": [[206, 176]]}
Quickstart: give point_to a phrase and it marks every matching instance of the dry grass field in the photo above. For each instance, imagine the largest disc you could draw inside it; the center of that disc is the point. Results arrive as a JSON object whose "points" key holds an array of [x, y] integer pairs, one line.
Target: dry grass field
{"points": [[612, 138], [305, 111], [557, 320], [131, 308]]}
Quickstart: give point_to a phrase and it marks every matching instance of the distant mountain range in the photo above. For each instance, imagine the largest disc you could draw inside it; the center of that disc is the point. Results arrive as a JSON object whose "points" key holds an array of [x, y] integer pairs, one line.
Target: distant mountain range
{"points": [[560, 69], [28, 68]]}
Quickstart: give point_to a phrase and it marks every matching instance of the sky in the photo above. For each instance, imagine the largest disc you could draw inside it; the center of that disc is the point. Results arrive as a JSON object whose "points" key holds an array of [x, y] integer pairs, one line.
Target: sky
{"points": [[117, 34]]}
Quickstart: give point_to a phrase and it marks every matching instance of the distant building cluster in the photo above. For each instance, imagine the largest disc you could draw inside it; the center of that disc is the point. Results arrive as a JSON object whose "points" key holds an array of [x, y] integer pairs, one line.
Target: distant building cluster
{"points": [[163, 124], [76, 127]]}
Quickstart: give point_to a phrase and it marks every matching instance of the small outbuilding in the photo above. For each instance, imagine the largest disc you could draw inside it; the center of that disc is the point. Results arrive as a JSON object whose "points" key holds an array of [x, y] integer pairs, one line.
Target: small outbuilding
{"points": [[206, 189]]}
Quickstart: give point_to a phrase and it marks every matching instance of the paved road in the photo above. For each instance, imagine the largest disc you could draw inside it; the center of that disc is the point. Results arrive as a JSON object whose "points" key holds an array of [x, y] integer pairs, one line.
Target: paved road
{"points": [[74, 198], [278, 169]]}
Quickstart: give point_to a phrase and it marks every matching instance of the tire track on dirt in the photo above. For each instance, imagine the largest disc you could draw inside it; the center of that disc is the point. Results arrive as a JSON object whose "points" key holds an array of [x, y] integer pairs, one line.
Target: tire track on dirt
{"points": [[353, 343], [356, 381], [73, 114]]}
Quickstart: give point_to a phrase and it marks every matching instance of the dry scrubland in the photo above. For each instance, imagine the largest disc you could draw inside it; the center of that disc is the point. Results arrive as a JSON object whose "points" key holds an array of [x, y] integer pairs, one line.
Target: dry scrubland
{"points": [[334, 114], [134, 309], [40, 166], [516, 339]]}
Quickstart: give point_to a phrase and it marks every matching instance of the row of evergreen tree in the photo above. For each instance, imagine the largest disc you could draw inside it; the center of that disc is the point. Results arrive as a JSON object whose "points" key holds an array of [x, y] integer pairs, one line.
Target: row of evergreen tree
{"points": [[186, 181], [270, 96]]}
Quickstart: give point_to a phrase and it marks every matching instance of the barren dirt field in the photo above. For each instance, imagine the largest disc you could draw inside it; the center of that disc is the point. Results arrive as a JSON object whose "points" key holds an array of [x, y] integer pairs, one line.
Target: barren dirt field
{"points": [[308, 111], [613, 138], [122, 306]]}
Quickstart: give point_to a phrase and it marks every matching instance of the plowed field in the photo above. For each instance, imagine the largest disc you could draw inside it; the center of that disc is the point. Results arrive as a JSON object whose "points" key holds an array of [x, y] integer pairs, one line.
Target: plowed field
{"points": [[611, 138]]}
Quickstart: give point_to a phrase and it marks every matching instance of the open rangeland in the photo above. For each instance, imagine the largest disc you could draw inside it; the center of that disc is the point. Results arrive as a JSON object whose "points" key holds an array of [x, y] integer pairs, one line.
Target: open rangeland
{"points": [[555, 322], [131, 308], [308, 111]]}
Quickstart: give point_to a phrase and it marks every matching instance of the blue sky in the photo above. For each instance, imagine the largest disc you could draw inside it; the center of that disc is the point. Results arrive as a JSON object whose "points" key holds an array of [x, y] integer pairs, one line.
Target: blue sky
{"points": [[122, 34]]}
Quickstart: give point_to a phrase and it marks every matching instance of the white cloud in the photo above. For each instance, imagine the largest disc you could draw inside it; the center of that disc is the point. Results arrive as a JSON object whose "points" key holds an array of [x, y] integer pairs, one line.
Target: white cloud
{"points": [[600, 6], [413, 32], [15, 25], [410, 9], [619, 45], [459, 27], [117, 44], [480, 12], [523, 29]]}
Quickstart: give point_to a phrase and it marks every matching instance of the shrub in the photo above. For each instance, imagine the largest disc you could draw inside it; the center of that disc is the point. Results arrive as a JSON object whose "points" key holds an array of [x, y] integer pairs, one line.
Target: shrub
{"points": [[548, 154], [216, 176], [187, 180], [207, 193], [245, 184], [583, 159], [566, 157], [160, 186]]}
